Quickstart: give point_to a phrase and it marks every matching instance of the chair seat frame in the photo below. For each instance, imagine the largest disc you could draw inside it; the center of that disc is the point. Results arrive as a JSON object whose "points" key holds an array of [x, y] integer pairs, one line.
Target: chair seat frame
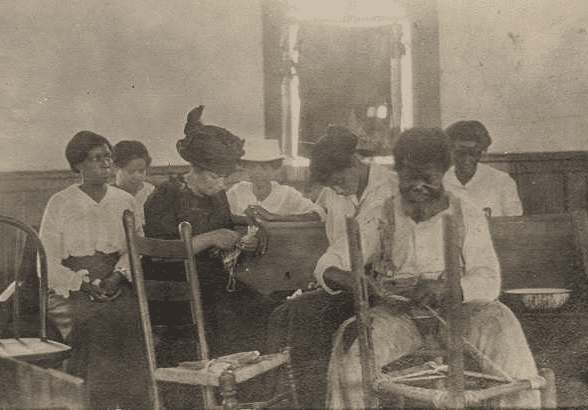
{"points": [[41, 350], [453, 394], [208, 373]]}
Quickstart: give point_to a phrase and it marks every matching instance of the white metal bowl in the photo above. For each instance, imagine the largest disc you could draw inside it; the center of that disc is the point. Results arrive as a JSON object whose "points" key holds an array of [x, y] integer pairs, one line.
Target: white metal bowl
{"points": [[540, 298]]}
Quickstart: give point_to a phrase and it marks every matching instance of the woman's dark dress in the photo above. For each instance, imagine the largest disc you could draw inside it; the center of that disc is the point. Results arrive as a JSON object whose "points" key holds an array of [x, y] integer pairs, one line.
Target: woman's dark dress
{"points": [[171, 203]]}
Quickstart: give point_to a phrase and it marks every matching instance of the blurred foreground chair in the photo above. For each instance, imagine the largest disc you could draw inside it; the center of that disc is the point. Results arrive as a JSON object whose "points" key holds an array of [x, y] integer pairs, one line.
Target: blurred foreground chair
{"points": [[26, 386], [38, 350], [441, 382], [223, 372]]}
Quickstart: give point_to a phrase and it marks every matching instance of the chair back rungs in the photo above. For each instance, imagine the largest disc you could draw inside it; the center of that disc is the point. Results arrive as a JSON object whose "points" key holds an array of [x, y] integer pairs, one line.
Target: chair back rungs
{"points": [[223, 372], [41, 258], [167, 291], [36, 350], [152, 290], [436, 385]]}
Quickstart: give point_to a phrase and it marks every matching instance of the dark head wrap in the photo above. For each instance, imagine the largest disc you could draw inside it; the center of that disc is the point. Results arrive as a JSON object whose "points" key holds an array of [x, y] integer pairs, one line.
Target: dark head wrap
{"points": [[469, 131], [209, 147], [417, 147], [332, 152]]}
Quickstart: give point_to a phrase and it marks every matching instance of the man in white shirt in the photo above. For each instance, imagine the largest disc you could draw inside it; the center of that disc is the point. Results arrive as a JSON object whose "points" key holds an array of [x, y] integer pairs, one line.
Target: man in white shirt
{"points": [[262, 192], [490, 189], [411, 257], [351, 187]]}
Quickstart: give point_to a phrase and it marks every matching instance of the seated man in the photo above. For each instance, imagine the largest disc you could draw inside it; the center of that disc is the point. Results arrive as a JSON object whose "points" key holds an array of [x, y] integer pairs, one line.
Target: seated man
{"points": [[263, 194], [412, 254], [308, 322], [490, 189]]}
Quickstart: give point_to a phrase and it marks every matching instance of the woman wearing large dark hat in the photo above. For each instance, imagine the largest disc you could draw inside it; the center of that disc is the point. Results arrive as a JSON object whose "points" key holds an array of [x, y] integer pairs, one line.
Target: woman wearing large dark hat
{"points": [[199, 197]]}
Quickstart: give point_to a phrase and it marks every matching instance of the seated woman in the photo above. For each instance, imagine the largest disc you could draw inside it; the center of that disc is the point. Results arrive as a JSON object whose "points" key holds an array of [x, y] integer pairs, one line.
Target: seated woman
{"points": [[90, 300], [132, 161], [199, 197], [308, 322], [268, 199]]}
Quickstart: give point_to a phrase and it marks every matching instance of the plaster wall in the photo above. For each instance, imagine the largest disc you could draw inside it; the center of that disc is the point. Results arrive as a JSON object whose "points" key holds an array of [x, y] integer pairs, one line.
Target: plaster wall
{"points": [[520, 68], [125, 69]]}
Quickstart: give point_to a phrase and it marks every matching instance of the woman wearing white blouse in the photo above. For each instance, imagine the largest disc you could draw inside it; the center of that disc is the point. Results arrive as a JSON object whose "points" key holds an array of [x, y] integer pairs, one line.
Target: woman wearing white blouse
{"points": [[90, 298]]}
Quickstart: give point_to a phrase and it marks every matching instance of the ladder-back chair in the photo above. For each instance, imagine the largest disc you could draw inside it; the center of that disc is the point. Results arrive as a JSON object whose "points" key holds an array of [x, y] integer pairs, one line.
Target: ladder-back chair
{"points": [[38, 350], [210, 373], [449, 387]]}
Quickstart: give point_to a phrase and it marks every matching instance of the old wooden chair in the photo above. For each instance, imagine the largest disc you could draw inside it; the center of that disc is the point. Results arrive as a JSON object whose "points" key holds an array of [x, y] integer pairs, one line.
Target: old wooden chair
{"points": [[223, 372], [449, 380], [38, 350]]}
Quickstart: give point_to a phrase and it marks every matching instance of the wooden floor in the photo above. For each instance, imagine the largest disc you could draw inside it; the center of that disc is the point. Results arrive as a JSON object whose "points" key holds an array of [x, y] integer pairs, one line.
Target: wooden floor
{"points": [[558, 341]]}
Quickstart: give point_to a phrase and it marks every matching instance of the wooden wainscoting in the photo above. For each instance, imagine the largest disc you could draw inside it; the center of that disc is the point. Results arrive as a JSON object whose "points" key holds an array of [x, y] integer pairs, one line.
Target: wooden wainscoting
{"points": [[24, 195], [548, 182]]}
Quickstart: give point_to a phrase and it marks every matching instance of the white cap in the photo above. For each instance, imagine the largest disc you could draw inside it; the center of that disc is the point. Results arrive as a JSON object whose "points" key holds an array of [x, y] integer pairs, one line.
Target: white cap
{"points": [[262, 150]]}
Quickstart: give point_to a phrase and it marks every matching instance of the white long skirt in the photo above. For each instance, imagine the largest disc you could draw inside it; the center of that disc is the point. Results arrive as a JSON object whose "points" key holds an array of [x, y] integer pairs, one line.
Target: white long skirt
{"points": [[491, 327]]}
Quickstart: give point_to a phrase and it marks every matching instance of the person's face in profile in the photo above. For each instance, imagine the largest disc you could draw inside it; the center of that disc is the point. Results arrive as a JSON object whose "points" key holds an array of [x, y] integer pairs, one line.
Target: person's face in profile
{"points": [[420, 184], [466, 155], [97, 167], [133, 174], [205, 182], [345, 181]]}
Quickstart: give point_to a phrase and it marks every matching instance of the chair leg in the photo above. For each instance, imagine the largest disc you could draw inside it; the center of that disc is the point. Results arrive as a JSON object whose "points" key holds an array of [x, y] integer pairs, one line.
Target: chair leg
{"points": [[548, 392], [291, 380], [228, 390], [208, 397]]}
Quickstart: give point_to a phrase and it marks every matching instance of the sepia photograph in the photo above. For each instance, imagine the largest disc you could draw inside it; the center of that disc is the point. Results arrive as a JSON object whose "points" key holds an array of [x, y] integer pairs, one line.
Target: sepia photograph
{"points": [[334, 204]]}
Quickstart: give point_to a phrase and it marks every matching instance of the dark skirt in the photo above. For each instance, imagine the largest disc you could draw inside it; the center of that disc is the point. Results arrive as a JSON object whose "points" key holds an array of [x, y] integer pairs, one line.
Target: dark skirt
{"points": [[107, 340], [307, 324], [109, 351], [228, 316]]}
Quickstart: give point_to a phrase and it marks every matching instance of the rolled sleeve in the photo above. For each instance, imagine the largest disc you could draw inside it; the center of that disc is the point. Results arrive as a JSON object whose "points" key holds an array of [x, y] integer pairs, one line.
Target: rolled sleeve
{"points": [[326, 261]]}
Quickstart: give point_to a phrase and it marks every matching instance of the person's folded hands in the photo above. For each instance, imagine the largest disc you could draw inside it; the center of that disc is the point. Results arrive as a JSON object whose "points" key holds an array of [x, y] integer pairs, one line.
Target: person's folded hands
{"points": [[93, 289], [111, 284]]}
